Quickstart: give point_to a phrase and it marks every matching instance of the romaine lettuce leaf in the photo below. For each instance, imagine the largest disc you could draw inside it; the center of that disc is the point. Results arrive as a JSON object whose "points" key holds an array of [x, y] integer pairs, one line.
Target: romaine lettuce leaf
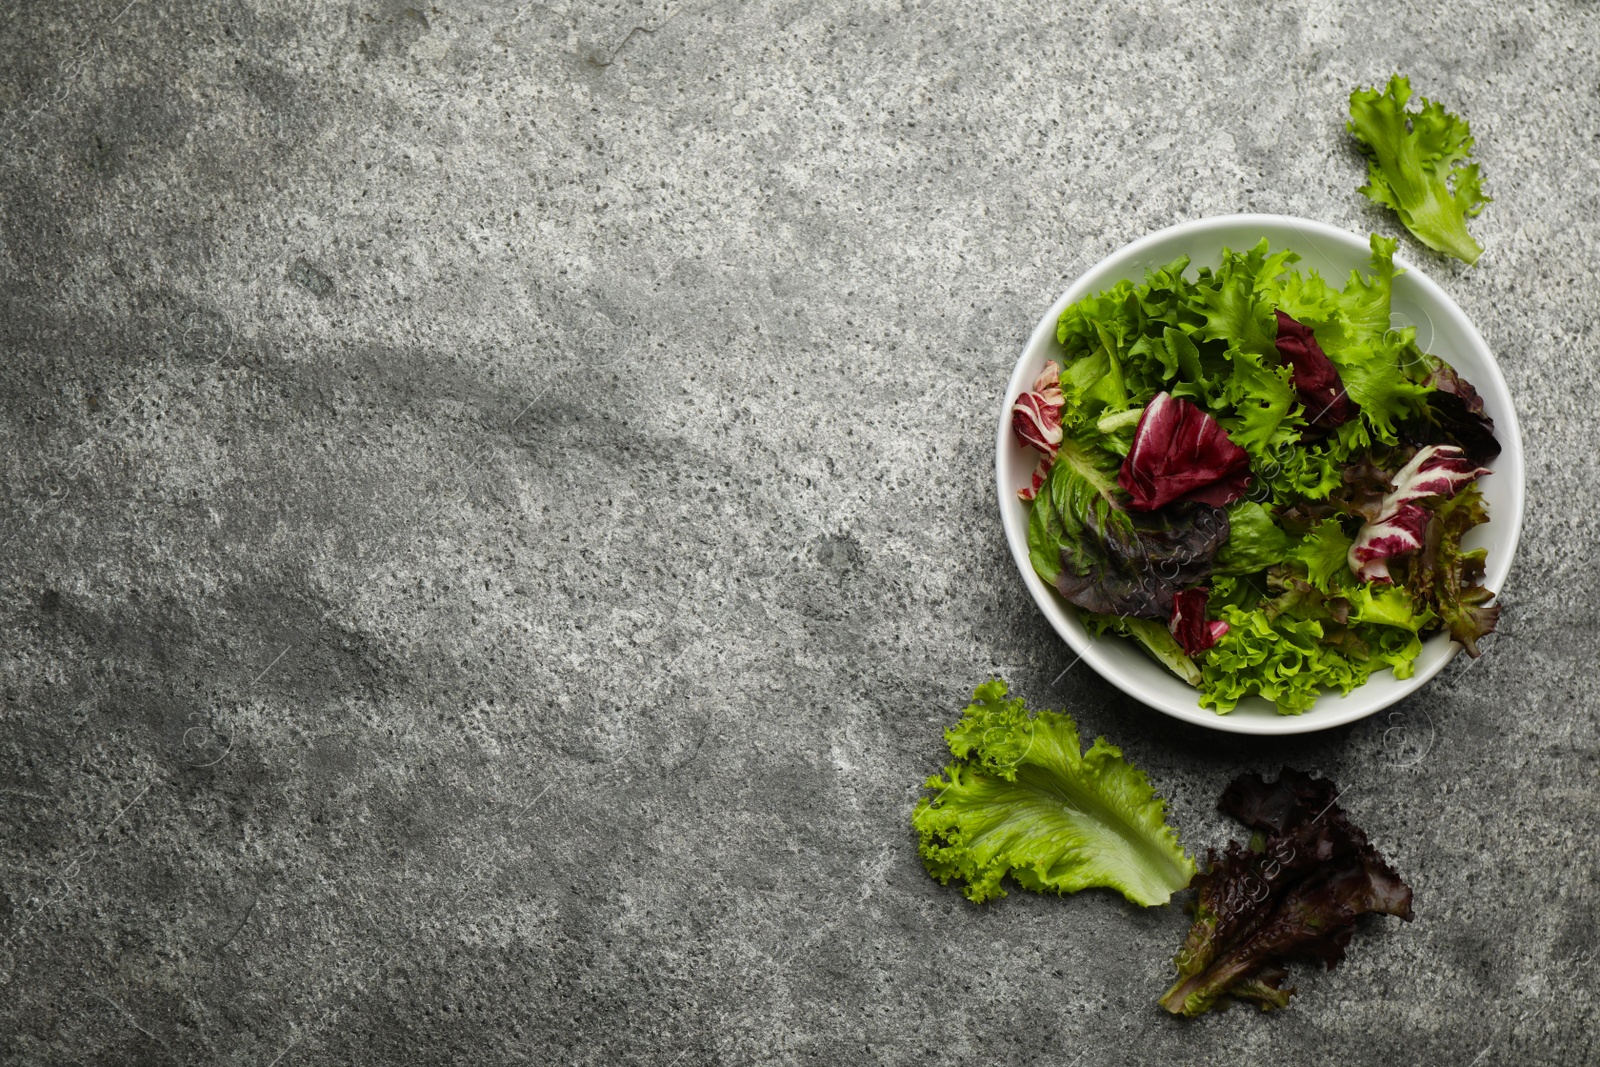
{"points": [[1418, 166], [1022, 799], [1160, 642]]}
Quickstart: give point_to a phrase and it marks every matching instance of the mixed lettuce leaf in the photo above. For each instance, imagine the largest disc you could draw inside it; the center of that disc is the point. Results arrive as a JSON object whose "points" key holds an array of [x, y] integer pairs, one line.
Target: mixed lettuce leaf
{"points": [[1023, 800], [1417, 166], [1240, 430]]}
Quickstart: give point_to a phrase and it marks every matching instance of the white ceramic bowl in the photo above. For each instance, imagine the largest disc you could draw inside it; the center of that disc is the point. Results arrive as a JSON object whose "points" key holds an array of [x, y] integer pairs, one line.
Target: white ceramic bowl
{"points": [[1442, 329]]}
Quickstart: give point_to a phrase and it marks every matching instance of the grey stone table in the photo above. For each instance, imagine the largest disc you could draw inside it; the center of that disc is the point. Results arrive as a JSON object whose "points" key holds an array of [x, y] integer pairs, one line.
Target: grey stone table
{"points": [[497, 510]]}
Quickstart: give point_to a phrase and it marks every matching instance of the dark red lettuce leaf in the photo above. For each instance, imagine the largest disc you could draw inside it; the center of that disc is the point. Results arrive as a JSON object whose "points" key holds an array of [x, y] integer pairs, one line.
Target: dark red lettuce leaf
{"points": [[1181, 454], [1127, 564], [1278, 807], [1364, 484], [1449, 579], [1316, 379], [1453, 415], [1443, 377], [1188, 623], [1294, 893], [1234, 885], [1104, 558], [1314, 920]]}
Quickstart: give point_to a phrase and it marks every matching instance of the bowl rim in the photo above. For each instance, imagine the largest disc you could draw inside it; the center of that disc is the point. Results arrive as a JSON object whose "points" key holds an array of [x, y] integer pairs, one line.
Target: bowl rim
{"points": [[1510, 465]]}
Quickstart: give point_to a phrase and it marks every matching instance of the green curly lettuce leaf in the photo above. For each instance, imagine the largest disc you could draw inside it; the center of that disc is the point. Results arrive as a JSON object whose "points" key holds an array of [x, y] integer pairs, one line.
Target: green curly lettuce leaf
{"points": [[1304, 472], [1234, 309], [1297, 644], [1266, 415], [1282, 659], [1325, 554], [1353, 327], [1254, 543], [1023, 800], [1417, 166]]}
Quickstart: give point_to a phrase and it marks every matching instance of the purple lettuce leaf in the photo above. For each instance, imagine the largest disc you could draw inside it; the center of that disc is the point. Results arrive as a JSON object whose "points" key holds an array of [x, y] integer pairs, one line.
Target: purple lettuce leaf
{"points": [[1294, 893], [1105, 558]]}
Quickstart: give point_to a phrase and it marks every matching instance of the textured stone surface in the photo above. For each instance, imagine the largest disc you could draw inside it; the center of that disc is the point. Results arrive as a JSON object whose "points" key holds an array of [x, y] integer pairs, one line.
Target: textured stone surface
{"points": [[497, 508]]}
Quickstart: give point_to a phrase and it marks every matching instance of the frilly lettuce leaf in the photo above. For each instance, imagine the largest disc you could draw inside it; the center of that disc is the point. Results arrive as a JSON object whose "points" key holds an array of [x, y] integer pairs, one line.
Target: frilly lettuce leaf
{"points": [[1282, 659], [1234, 309], [1353, 327], [1325, 554], [1023, 800], [1265, 419], [1254, 542], [1292, 647], [1108, 341], [1447, 578], [1418, 166]]}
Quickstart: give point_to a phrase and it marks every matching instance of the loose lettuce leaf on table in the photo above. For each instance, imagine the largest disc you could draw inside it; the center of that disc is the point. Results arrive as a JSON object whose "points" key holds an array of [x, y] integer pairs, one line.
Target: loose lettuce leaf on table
{"points": [[1418, 166], [1294, 893], [1023, 799]]}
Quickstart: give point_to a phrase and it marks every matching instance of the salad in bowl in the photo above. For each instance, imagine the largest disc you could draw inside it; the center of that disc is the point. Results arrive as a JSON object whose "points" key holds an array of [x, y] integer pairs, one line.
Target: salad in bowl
{"points": [[1257, 475]]}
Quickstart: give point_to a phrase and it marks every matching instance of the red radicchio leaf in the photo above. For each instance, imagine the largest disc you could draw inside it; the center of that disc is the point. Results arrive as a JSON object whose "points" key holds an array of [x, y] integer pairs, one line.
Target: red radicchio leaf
{"points": [[1189, 625], [1036, 420], [1181, 453], [1036, 416], [1316, 379], [1438, 470]]}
